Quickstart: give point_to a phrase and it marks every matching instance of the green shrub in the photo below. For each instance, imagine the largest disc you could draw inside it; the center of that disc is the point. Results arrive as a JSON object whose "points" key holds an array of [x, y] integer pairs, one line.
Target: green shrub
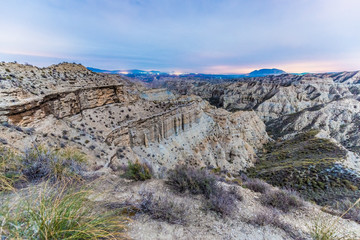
{"points": [[57, 214], [216, 170], [323, 230], [138, 171], [237, 181]]}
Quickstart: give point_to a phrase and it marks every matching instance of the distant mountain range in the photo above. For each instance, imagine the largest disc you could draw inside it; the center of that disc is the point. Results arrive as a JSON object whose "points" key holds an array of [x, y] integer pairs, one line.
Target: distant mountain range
{"points": [[128, 72], [265, 72], [135, 72]]}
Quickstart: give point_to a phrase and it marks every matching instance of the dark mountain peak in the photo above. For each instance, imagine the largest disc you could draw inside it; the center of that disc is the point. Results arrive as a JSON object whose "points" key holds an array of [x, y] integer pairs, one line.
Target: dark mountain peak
{"points": [[265, 72]]}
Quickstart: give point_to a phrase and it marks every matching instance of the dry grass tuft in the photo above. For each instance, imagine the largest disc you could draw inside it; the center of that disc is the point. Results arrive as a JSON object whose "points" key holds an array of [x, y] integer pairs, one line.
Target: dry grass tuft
{"points": [[40, 163], [9, 169], [58, 213]]}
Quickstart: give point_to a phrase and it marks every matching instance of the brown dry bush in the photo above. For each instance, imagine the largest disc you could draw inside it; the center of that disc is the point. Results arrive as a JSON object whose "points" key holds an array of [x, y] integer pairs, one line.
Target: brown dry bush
{"points": [[283, 200]]}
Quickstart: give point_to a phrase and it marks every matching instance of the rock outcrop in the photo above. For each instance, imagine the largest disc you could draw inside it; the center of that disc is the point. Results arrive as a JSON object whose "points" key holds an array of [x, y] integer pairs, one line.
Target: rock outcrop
{"points": [[339, 118], [272, 96], [291, 103], [117, 121]]}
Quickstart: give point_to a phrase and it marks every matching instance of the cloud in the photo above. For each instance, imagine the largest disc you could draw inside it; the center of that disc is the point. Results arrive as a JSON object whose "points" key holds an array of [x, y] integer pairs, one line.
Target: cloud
{"points": [[182, 34]]}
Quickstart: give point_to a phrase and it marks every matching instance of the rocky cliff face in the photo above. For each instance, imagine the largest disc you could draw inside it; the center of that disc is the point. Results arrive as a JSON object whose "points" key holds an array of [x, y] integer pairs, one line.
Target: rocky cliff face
{"points": [[272, 96], [61, 104], [291, 103], [116, 121]]}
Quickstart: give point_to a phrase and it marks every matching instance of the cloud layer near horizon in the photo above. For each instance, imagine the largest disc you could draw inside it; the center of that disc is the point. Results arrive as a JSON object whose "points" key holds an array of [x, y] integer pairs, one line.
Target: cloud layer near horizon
{"points": [[229, 36]]}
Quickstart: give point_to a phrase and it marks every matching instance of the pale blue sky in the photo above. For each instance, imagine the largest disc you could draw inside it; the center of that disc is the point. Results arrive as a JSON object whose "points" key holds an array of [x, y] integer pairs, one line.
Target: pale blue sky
{"points": [[224, 36]]}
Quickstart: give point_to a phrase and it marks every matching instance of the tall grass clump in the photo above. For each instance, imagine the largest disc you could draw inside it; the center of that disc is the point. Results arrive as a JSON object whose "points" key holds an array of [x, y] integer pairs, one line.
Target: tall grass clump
{"points": [[325, 230], [9, 169], [40, 162], [322, 230], [138, 171], [72, 154], [201, 181], [351, 211], [55, 213]]}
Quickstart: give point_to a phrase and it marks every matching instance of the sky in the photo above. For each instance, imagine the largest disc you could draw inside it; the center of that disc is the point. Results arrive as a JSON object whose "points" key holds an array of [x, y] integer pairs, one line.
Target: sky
{"points": [[209, 36]]}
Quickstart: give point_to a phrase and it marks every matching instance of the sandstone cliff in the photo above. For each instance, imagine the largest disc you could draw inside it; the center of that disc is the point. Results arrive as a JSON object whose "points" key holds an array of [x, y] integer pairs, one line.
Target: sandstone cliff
{"points": [[118, 121]]}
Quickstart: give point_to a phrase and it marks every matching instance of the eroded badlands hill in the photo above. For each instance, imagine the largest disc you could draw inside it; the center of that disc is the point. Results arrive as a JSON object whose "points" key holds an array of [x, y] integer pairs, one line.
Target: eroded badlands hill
{"points": [[116, 121], [290, 103]]}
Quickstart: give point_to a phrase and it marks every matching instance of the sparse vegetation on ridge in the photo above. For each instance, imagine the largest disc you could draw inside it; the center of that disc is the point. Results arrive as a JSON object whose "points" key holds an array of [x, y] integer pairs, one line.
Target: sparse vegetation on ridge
{"points": [[308, 165]]}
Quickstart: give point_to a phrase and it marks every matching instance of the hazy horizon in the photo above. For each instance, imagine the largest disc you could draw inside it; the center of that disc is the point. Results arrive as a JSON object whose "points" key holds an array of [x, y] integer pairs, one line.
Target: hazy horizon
{"points": [[169, 71], [205, 36]]}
